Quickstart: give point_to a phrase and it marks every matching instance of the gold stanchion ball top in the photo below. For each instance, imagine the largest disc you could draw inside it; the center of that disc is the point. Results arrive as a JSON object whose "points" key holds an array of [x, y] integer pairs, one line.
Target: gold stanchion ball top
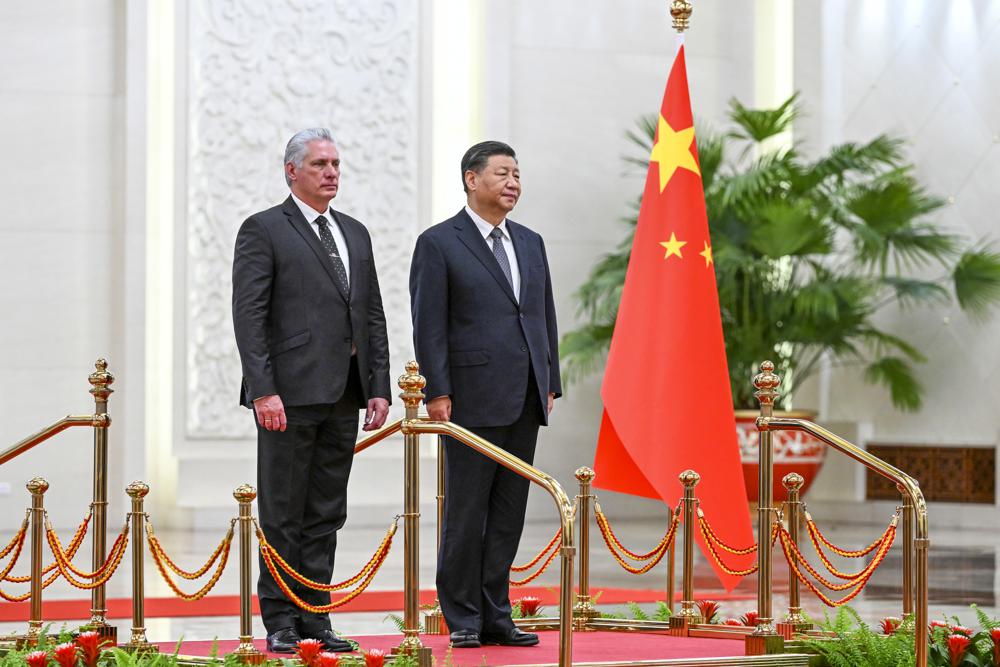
{"points": [[766, 382], [585, 474], [245, 493], [137, 489], [37, 485], [689, 478], [101, 380], [680, 12], [793, 481], [412, 383]]}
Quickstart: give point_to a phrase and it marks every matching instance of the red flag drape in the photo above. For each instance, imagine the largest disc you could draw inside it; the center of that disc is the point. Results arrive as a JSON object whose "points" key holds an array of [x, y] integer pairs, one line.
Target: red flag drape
{"points": [[667, 401]]}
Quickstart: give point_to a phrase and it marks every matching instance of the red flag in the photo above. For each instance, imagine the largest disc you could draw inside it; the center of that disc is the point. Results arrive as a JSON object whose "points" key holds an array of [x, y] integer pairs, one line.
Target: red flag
{"points": [[667, 401]]}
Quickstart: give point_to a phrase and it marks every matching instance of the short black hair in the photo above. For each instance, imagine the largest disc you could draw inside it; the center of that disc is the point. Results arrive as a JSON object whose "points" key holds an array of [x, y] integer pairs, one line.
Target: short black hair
{"points": [[475, 158]]}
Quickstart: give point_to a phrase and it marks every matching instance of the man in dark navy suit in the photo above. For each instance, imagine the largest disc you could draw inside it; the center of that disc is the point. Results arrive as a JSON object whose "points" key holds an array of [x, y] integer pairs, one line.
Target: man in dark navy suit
{"points": [[312, 339], [484, 331]]}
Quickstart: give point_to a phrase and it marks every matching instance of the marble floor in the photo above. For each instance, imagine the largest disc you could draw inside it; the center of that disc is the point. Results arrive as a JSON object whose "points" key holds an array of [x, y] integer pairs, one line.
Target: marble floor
{"points": [[962, 571]]}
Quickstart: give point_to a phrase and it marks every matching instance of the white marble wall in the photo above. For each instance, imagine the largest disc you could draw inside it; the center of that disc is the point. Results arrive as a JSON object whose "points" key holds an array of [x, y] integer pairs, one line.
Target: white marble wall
{"points": [[61, 239], [926, 71]]}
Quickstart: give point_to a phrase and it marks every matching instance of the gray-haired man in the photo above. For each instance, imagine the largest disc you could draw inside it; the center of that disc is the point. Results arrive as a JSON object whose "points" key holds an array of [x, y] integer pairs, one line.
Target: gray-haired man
{"points": [[312, 340]]}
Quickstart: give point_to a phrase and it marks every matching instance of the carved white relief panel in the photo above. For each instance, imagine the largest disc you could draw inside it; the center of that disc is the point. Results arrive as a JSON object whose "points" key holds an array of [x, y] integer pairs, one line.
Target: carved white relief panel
{"points": [[257, 72]]}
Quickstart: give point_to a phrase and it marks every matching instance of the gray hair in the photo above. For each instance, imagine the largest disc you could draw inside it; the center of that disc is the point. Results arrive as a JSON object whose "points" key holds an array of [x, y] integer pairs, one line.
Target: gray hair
{"points": [[298, 146]]}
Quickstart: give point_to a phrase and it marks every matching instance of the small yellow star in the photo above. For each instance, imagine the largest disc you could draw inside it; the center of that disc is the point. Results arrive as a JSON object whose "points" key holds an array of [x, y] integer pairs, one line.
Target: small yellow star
{"points": [[707, 254], [672, 151], [673, 246]]}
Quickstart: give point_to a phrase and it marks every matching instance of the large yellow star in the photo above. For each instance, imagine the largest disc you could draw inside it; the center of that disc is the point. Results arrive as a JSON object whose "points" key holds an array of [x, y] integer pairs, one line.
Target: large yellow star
{"points": [[707, 254], [672, 150], [673, 246]]}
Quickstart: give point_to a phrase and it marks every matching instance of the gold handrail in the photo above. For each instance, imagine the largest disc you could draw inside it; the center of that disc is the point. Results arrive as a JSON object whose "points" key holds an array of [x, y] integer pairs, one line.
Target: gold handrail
{"points": [[378, 436], [533, 474], [907, 484], [98, 420]]}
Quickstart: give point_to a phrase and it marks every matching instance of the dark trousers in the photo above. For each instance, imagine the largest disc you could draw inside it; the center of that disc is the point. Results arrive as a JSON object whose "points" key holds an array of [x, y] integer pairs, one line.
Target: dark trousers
{"points": [[302, 483], [483, 518]]}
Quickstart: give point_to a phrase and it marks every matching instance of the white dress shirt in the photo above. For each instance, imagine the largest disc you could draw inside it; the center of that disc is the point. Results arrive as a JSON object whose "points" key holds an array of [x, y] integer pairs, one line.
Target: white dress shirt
{"points": [[312, 215], [485, 228]]}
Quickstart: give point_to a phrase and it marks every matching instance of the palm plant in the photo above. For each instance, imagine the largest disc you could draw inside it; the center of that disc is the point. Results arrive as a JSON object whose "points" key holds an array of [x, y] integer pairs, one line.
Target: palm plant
{"points": [[807, 254]]}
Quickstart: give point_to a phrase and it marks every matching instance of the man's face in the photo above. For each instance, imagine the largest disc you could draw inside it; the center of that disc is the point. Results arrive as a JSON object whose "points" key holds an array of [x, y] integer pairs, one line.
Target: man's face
{"points": [[319, 175], [497, 187]]}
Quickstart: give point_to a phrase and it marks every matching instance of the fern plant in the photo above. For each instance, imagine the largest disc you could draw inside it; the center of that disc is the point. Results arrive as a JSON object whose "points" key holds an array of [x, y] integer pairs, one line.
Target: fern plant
{"points": [[807, 254]]}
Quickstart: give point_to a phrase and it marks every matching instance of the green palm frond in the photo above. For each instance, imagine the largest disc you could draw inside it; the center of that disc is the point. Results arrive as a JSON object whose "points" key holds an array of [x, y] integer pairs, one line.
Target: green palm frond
{"points": [[977, 281], [583, 350], [898, 376], [914, 291], [759, 124], [784, 227]]}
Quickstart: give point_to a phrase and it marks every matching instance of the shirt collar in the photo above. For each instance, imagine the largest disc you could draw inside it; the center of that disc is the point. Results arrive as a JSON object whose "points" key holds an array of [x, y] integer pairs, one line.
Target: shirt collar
{"points": [[485, 227], [308, 212]]}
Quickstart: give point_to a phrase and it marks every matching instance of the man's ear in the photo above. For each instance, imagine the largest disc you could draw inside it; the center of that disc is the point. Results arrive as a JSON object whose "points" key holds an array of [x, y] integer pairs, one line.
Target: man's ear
{"points": [[290, 170], [470, 180]]}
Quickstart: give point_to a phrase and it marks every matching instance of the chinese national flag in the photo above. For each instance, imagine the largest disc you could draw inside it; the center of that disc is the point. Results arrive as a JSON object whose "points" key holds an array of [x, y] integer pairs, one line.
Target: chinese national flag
{"points": [[667, 401]]}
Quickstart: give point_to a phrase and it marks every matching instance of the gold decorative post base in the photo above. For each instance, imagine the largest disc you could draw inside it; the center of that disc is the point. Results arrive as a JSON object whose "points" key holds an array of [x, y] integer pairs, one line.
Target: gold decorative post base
{"points": [[434, 621], [412, 646], [140, 647], [763, 644], [30, 638], [680, 624], [247, 654], [789, 628], [583, 613]]}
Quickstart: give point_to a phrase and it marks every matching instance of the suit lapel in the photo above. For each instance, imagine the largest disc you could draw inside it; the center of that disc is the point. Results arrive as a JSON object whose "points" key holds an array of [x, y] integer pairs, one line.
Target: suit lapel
{"points": [[520, 242], [304, 228], [354, 248], [469, 235]]}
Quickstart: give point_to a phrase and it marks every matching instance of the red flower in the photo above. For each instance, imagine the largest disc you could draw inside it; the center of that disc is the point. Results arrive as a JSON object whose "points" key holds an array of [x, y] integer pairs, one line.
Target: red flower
{"points": [[529, 605], [961, 630], [326, 659], [308, 650], [708, 609], [750, 618], [90, 644], [890, 624], [939, 624], [995, 636], [37, 659], [374, 658], [65, 655], [731, 621], [957, 645]]}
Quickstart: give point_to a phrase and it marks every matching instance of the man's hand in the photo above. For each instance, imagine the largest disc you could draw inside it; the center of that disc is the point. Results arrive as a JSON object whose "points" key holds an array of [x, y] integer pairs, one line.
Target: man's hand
{"points": [[378, 410], [270, 412], [552, 402], [439, 409]]}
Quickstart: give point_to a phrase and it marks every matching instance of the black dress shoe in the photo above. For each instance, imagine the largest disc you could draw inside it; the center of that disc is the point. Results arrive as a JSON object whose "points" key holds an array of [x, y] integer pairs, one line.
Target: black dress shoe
{"points": [[331, 642], [285, 640], [465, 639], [512, 637]]}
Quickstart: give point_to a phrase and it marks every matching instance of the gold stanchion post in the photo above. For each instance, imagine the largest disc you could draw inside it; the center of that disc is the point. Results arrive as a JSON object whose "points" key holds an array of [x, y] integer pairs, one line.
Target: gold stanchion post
{"points": [[689, 614], [412, 385], [764, 639], [246, 652], [908, 551], [671, 573], [434, 620], [138, 642], [100, 381], [794, 621], [37, 487], [583, 610]]}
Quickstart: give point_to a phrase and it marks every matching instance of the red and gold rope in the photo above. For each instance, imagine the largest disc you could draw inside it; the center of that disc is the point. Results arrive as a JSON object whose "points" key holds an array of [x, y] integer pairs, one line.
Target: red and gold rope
{"points": [[655, 556], [99, 576], [74, 545], [887, 535], [705, 533], [709, 532], [159, 559], [815, 534], [609, 534], [541, 554], [531, 577], [157, 548]]}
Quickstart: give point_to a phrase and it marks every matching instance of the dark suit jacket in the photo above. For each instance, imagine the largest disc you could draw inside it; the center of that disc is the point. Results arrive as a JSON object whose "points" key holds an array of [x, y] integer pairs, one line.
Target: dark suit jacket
{"points": [[473, 340], [294, 328]]}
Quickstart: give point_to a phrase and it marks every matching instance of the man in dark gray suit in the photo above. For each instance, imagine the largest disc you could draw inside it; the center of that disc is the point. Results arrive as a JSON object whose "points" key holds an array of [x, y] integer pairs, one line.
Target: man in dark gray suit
{"points": [[312, 339], [484, 331]]}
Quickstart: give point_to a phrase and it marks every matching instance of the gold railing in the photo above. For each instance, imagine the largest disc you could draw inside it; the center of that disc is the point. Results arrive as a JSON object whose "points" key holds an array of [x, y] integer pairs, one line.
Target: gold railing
{"points": [[916, 540], [100, 387]]}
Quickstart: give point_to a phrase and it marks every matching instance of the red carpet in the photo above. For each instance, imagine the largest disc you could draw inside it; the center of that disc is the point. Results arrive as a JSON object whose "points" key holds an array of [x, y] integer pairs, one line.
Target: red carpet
{"points": [[587, 647], [229, 605]]}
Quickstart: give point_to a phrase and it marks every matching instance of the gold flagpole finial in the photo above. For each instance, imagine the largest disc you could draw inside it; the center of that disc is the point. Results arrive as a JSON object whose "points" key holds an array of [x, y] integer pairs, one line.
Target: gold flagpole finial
{"points": [[680, 11]]}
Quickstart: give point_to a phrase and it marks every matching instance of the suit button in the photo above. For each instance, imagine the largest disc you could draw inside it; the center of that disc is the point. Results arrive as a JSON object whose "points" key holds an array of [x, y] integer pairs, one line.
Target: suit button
{"points": [[524, 348]]}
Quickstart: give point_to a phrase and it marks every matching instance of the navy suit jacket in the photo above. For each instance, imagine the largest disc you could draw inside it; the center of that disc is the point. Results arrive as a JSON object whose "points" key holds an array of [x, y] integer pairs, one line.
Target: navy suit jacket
{"points": [[473, 340], [294, 328]]}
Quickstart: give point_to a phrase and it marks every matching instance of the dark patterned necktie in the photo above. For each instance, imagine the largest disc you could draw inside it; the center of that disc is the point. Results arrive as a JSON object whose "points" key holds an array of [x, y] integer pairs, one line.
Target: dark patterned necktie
{"points": [[326, 237], [501, 254]]}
